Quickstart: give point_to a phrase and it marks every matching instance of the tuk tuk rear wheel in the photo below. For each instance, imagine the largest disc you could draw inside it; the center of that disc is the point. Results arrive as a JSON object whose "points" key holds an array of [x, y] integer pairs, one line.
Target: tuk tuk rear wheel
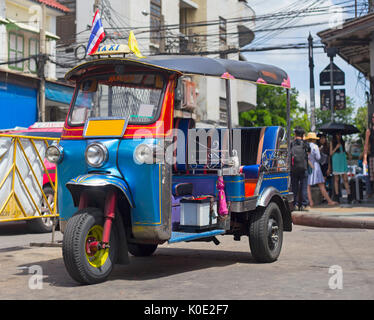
{"points": [[84, 263], [141, 250], [266, 233]]}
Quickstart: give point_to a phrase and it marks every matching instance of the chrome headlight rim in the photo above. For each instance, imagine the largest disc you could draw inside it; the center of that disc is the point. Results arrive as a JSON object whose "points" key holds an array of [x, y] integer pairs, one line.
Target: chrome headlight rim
{"points": [[139, 154], [154, 154], [60, 155], [102, 149]]}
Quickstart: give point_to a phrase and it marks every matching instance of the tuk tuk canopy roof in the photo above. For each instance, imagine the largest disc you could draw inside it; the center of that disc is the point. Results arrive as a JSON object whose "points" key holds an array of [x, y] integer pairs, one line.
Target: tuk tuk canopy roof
{"points": [[196, 65]]}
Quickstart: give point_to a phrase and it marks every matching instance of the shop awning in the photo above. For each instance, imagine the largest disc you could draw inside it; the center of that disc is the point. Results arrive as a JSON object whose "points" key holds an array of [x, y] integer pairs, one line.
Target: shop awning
{"points": [[58, 93], [352, 40]]}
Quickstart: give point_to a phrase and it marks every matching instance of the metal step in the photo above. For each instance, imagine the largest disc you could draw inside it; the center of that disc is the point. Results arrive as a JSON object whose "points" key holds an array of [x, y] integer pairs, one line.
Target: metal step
{"points": [[187, 236]]}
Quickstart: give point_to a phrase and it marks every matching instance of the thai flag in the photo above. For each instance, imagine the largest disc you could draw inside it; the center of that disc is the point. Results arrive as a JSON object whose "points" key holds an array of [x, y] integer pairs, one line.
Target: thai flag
{"points": [[97, 34]]}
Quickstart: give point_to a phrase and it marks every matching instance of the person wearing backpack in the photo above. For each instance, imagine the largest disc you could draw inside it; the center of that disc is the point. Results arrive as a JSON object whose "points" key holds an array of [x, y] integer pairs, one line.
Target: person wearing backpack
{"points": [[299, 169]]}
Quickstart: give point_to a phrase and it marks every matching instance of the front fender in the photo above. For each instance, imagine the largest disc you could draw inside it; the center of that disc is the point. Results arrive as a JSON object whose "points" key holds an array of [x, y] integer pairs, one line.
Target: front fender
{"points": [[272, 194], [82, 182]]}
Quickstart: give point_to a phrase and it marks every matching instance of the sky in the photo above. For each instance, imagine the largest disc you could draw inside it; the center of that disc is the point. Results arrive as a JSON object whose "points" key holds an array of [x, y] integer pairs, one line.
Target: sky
{"points": [[295, 62]]}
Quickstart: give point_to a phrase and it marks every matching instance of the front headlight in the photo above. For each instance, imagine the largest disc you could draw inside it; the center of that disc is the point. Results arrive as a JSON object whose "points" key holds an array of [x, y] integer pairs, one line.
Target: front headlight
{"points": [[143, 154], [96, 154], [148, 153], [54, 153]]}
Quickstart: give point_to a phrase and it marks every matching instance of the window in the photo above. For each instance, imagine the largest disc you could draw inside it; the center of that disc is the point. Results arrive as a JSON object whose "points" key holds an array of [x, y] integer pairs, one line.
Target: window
{"points": [[222, 36], [155, 21], [135, 96], [33, 50], [15, 50]]}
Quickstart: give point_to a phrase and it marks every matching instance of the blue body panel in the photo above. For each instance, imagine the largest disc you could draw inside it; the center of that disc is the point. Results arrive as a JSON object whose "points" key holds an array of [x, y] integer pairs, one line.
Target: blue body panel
{"points": [[277, 180], [187, 236], [94, 180], [207, 185], [144, 181]]}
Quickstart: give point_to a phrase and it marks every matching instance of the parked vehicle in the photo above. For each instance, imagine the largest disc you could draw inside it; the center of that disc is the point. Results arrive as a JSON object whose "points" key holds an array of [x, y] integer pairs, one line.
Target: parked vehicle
{"points": [[48, 130], [132, 177]]}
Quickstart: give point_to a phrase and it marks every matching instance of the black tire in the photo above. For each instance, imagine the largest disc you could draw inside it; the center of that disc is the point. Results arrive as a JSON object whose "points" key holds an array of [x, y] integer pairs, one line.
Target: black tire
{"points": [[43, 225], [266, 234], [141, 250], [76, 259]]}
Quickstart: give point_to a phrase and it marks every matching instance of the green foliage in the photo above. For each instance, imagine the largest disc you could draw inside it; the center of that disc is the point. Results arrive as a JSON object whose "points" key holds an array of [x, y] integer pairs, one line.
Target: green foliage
{"points": [[361, 120], [340, 116], [271, 109]]}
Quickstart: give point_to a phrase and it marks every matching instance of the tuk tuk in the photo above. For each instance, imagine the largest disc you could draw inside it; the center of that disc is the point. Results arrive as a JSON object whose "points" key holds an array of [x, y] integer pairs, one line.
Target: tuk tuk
{"points": [[131, 176]]}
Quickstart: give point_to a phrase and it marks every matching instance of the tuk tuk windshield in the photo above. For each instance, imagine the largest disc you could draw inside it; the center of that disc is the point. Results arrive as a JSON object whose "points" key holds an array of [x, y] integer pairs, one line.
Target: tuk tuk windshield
{"points": [[135, 96]]}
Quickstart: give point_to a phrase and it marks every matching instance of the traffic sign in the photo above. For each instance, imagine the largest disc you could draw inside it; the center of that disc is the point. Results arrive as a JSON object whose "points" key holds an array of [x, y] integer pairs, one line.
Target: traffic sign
{"points": [[339, 76], [339, 99]]}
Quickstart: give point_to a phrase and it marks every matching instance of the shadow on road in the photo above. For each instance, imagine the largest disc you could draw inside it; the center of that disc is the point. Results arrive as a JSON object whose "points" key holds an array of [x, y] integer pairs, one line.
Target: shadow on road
{"points": [[164, 263], [13, 228]]}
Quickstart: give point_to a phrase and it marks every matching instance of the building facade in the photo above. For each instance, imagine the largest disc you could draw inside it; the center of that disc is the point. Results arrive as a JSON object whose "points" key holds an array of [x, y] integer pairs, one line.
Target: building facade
{"points": [[214, 28], [20, 25]]}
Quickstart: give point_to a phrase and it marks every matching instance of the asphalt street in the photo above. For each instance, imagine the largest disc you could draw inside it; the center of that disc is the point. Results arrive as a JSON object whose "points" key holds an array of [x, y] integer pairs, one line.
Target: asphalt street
{"points": [[315, 263]]}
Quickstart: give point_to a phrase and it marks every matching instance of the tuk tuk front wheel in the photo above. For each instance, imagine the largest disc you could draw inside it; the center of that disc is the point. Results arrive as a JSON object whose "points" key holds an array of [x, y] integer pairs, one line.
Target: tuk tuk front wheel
{"points": [[84, 260], [266, 234], [141, 250]]}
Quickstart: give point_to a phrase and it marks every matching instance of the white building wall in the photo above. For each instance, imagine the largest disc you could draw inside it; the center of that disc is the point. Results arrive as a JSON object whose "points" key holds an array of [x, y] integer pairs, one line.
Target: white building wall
{"points": [[240, 91], [22, 12]]}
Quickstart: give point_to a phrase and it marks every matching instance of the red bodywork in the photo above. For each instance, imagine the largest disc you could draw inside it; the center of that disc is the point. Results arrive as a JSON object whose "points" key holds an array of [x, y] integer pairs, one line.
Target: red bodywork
{"points": [[160, 129]]}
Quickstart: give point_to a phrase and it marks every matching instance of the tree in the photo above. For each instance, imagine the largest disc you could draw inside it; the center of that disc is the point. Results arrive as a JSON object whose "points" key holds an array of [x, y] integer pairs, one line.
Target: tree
{"points": [[271, 109], [340, 116], [361, 120]]}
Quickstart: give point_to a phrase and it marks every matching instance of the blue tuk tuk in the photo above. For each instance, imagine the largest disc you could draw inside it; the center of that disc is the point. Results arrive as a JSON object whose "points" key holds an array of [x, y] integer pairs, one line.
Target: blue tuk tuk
{"points": [[131, 176]]}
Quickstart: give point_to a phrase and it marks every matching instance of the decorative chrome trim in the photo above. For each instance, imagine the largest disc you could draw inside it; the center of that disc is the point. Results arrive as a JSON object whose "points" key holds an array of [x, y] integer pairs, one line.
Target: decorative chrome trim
{"points": [[103, 148], [249, 204], [60, 150]]}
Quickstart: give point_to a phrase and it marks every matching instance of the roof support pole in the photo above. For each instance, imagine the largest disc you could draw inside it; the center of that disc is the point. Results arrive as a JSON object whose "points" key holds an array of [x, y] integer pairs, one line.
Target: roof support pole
{"points": [[229, 116], [371, 79], [288, 125]]}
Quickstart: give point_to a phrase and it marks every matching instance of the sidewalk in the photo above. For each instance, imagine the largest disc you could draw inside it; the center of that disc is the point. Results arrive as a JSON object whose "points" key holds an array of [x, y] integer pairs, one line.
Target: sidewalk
{"points": [[359, 215]]}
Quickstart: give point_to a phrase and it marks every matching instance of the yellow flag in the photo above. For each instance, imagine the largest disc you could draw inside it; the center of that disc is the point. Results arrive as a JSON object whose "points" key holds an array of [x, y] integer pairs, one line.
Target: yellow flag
{"points": [[133, 45]]}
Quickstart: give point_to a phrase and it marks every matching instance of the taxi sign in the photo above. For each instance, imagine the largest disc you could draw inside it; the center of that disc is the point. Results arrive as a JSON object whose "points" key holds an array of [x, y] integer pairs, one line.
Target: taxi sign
{"points": [[112, 49]]}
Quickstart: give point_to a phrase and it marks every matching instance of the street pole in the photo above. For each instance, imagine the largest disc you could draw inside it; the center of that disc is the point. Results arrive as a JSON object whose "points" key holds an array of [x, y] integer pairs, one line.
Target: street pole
{"points": [[331, 53], [312, 88], [229, 115], [42, 62]]}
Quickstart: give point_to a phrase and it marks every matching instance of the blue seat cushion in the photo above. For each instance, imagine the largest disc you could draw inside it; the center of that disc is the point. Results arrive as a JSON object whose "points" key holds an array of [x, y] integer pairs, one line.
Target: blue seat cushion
{"points": [[251, 172]]}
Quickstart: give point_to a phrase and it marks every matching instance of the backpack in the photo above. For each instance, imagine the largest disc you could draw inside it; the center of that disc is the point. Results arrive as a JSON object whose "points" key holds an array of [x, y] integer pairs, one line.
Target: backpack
{"points": [[299, 157]]}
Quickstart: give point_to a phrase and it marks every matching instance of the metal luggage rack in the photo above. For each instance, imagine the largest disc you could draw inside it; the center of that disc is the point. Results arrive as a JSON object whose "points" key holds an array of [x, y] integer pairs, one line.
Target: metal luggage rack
{"points": [[275, 160]]}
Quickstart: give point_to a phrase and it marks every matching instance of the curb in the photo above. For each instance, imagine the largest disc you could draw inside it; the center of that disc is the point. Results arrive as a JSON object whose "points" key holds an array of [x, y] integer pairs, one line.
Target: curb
{"points": [[321, 221]]}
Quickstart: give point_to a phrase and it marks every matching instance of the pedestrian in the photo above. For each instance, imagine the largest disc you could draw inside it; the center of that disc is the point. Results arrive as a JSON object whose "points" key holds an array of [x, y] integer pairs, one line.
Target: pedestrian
{"points": [[369, 152], [339, 165], [315, 176], [324, 150], [299, 165]]}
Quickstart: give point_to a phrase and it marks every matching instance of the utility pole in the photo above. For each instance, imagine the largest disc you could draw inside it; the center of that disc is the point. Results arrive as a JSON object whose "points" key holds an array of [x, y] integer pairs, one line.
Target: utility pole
{"points": [[331, 53], [312, 88], [41, 64]]}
